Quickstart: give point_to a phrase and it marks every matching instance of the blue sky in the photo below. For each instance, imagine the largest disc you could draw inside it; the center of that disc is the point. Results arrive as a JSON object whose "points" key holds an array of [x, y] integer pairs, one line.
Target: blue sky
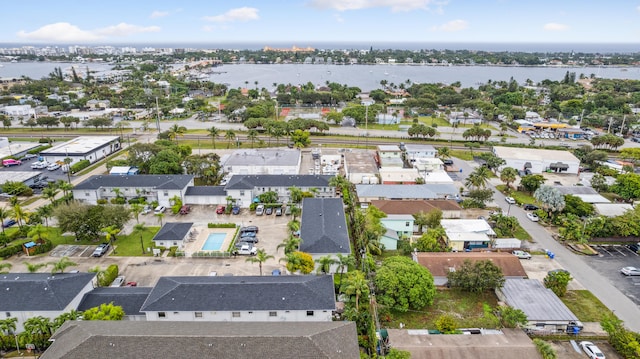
{"points": [[304, 22]]}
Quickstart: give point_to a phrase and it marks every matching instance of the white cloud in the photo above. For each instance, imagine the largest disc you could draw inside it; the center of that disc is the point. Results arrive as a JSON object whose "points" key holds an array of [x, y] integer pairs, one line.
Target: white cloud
{"points": [[395, 5], [233, 15], [124, 29], [59, 31], [156, 14], [553, 26], [66, 32], [338, 18], [452, 26]]}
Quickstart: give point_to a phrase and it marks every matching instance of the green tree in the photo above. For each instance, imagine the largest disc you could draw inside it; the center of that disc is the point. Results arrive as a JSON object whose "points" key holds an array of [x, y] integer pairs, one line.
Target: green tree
{"points": [[325, 263], [229, 136], [532, 182], [139, 229], [627, 186], [104, 312], [477, 276], [545, 349], [557, 281], [575, 205], [4, 267], [34, 267], [356, 285], [446, 324], [403, 284], [550, 198], [4, 214], [61, 265], [38, 233], [299, 261], [38, 330], [176, 131], [290, 244], [512, 317], [508, 175], [110, 235], [434, 240], [261, 257], [213, 132], [478, 177], [252, 135]]}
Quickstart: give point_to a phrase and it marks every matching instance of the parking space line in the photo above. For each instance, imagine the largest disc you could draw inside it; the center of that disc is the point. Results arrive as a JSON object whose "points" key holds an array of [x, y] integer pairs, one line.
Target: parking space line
{"points": [[618, 250], [604, 249]]}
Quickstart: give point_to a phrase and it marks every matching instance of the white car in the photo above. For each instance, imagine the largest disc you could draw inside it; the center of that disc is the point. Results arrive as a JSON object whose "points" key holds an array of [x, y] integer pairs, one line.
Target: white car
{"points": [[522, 254], [510, 200], [159, 209], [533, 217], [39, 165], [630, 271], [118, 282], [53, 167], [592, 350]]}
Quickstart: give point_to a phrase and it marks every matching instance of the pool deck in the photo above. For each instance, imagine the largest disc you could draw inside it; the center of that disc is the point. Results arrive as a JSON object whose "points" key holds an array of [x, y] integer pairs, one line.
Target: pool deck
{"points": [[202, 233]]}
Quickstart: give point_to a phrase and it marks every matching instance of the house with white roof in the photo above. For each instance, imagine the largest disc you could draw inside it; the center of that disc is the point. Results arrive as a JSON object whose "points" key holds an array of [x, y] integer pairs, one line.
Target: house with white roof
{"points": [[367, 193], [538, 160], [467, 234], [415, 152], [268, 161], [92, 148]]}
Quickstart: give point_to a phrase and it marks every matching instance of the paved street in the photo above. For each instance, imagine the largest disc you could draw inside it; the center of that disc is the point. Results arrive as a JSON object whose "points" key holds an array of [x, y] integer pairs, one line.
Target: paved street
{"points": [[578, 266]]}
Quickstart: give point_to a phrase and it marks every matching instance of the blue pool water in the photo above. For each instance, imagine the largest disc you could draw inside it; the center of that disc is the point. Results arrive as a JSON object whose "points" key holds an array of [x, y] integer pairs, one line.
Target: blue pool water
{"points": [[214, 242]]}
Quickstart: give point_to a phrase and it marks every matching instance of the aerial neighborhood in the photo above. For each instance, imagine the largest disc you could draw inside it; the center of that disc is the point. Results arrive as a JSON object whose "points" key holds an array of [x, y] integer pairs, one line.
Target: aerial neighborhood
{"points": [[147, 211]]}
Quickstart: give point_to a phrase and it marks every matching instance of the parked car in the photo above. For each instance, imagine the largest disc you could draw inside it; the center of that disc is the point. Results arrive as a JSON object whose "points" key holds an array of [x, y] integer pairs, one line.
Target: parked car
{"points": [[118, 282], [634, 247], [53, 167], [260, 210], [39, 184], [235, 210], [630, 271], [592, 350], [101, 250], [279, 211], [522, 254], [248, 250], [276, 272], [159, 209], [131, 284], [247, 234], [268, 211], [146, 209], [510, 200], [530, 207], [533, 217], [8, 223], [185, 209], [11, 162], [29, 156], [220, 209], [287, 210], [39, 165], [447, 162], [249, 229], [248, 240]]}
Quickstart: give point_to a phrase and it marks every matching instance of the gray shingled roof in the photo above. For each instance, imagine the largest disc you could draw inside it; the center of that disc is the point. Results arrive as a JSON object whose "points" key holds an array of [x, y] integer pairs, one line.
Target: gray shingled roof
{"points": [[241, 293], [129, 298], [205, 191], [418, 191], [148, 181], [40, 291], [219, 340], [575, 190], [536, 301], [252, 181], [324, 227], [172, 231]]}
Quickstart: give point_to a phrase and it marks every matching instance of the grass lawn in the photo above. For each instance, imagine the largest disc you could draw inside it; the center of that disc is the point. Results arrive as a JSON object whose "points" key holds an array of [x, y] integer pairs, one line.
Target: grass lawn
{"points": [[585, 305], [466, 307], [520, 197], [462, 154], [521, 234], [126, 246], [430, 121]]}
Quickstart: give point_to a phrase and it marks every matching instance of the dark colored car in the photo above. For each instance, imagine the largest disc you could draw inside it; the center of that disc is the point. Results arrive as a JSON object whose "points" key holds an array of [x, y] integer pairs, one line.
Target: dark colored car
{"points": [[249, 229], [268, 211], [235, 210], [447, 162], [530, 207], [8, 223], [247, 234]]}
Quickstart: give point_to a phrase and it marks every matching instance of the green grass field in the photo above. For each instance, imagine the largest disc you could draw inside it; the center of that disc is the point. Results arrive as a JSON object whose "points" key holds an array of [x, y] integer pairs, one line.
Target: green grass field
{"points": [[126, 245], [585, 305]]}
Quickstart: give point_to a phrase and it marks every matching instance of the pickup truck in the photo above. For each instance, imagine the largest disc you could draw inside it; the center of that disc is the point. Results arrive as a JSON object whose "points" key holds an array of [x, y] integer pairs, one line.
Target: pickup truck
{"points": [[101, 250], [247, 250]]}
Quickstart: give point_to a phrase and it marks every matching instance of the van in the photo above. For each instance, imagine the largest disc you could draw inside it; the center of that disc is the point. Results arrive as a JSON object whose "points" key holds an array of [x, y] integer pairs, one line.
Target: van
{"points": [[11, 162]]}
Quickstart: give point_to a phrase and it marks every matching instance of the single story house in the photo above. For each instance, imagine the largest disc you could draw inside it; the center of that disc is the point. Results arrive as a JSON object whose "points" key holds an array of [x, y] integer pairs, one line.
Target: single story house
{"points": [[28, 295], [538, 160], [544, 310], [450, 208], [585, 193], [92, 148], [245, 188], [441, 263], [173, 234], [465, 117], [323, 228], [389, 240], [207, 340], [368, 192], [242, 299], [467, 234], [264, 161], [161, 188], [389, 156], [129, 298], [612, 209]]}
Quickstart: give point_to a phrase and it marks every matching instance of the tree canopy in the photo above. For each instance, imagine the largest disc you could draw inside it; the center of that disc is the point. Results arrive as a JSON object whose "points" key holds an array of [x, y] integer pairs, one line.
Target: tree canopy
{"points": [[477, 276], [403, 284]]}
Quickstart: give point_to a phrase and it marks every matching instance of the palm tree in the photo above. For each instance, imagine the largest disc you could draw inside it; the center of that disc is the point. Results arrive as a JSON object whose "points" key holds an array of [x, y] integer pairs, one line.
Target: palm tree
{"points": [[50, 193], [343, 262], [160, 217], [295, 194], [290, 245], [214, 133], [140, 228], [67, 162], [45, 212], [357, 285], [110, 235], [444, 152], [479, 177], [176, 131], [66, 187], [8, 326], [295, 211], [39, 329], [325, 264], [4, 267], [252, 135], [32, 268], [62, 264], [38, 233], [136, 209], [293, 226], [508, 176], [4, 214], [229, 136], [420, 219], [261, 257], [19, 214]]}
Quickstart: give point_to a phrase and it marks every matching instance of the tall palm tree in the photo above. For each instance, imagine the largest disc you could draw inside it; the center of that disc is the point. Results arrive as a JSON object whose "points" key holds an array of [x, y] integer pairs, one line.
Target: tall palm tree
{"points": [[62, 264], [50, 193], [229, 136], [213, 132], [295, 211], [420, 219], [325, 263], [67, 162], [8, 326], [252, 135], [176, 131], [160, 217], [110, 235], [4, 214], [66, 187], [508, 175], [444, 152], [290, 244], [139, 229], [293, 226], [19, 214], [479, 177], [136, 209], [34, 267], [343, 262], [45, 212], [356, 284], [261, 257]]}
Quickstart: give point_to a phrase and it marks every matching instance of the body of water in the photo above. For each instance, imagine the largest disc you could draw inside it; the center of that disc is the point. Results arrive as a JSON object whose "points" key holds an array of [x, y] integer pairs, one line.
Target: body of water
{"points": [[366, 77]]}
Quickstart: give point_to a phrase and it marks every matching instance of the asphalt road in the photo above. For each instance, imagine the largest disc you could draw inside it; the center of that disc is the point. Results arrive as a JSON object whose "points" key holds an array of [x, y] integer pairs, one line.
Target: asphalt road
{"points": [[580, 267]]}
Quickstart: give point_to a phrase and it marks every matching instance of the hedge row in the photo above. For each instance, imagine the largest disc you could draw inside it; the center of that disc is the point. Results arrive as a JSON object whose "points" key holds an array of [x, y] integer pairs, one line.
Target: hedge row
{"points": [[221, 225], [76, 167], [108, 276], [37, 150], [8, 251]]}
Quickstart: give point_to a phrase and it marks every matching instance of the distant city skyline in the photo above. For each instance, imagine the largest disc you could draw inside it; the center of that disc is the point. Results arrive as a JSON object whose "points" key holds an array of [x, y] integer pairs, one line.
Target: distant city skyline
{"points": [[305, 22]]}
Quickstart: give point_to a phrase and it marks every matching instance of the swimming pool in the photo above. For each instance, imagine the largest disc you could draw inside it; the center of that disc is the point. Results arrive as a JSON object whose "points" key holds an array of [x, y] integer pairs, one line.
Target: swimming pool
{"points": [[214, 242]]}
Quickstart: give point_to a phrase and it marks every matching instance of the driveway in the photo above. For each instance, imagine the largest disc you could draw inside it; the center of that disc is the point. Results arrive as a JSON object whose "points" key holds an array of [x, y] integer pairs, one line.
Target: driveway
{"points": [[580, 267]]}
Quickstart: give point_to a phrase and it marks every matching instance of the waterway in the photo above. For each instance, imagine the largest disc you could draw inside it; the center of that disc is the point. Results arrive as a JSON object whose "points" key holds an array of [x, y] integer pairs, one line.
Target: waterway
{"points": [[366, 77]]}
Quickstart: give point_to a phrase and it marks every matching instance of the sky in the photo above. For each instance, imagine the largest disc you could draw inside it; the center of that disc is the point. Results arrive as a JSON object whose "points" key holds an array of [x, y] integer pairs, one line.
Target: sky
{"points": [[305, 22]]}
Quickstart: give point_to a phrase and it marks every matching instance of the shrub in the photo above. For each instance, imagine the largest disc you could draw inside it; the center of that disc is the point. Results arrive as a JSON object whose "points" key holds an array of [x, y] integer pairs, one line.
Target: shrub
{"points": [[118, 200], [79, 166], [45, 140], [43, 247], [8, 251], [172, 251], [37, 150], [446, 324], [221, 225], [545, 349], [102, 201], [108, 276]]}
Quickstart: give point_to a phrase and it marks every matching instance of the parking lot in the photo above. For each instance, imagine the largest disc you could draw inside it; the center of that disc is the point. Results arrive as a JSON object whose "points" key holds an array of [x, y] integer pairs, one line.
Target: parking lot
{"points": [[609, 261]]}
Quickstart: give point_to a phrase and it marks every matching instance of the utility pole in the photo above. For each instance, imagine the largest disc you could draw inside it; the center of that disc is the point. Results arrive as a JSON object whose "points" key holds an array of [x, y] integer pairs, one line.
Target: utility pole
{"points": [[157, 115]]}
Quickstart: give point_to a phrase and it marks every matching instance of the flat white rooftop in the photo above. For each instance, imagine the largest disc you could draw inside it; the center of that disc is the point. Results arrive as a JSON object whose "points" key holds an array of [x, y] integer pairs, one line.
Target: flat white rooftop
{"points": [[17, 176], [17, 147], [80, 145], [532, 154], [263, 157]]}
